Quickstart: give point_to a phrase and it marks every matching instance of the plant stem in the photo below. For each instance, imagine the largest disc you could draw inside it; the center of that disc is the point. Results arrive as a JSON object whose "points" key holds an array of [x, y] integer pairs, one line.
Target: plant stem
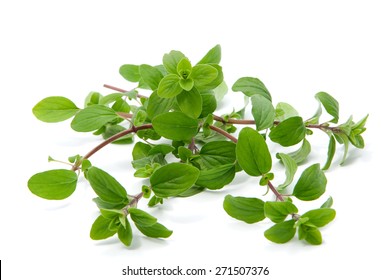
{"points": [[232, 121], [133, 129], [224, 133], [122, 90], [275, 191]]}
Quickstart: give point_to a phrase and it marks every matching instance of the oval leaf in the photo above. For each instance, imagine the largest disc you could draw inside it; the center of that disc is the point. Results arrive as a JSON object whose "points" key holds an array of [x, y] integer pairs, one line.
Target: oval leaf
{"points": [[173, 179], [54, 109], [155, 231], [252, 152], [249, 210], [106, 186], [263, 112], [175, 126], [291, 168], [169, 86], [203, 74], [212, 56], [141, 217], [130, 72], [282, 232], [251, 86], [311, 185], [277, 211], [320, 217], [125, 234], [288, 132], [150, 75], [93, 118], [330, 104], [53, 184], [217, 153], [170, 61], [217, 177], [190, 103], [158, 105]]}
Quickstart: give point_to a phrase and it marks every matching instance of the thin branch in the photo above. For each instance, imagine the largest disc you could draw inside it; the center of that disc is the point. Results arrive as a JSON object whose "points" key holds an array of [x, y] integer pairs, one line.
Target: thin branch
{"points": [[274, 190], [122, 90], [133, 129], [224, 133], [232, 121]]}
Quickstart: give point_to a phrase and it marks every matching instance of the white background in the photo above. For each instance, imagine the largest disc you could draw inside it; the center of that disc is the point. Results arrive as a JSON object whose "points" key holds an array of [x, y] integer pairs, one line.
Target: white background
{"points": [[296, 48]]}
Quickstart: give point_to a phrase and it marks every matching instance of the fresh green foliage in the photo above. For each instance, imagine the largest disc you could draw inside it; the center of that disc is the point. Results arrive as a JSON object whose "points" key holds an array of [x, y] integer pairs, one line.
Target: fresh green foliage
{"points": [[181, 148]]}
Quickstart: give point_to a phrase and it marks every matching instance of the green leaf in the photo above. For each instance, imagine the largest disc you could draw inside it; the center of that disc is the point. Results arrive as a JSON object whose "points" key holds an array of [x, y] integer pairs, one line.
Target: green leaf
{"points": [[54, 109], [217, 177], [301, 154], [53, 184], [277, 211], [288, 132], [342, 138], [140, 150], [169, 86], [190, 103], [142, 218], [251, 86], [311, 185], [155, 200], [217, 153], [252, 152], [130, 72], [291, 169], [328, 203], [100, 229], [330, 104], [171, 60], [92, 118], [281, 232], [106, 186], [209, 105], [194, 190], [155, 231], [121, 106], [173, 179], [203, 74], [212, 56], [110, 98], [92, 98], [175, 126], [320, 217], [111, 130], [184, 68], [284, 111], [125, 234], [150, 75], [262, 111], [220, 91], [331, 152], [313, 235], [158, 105], [163, 149], [187, 84], [249, 210], [215, 82]]}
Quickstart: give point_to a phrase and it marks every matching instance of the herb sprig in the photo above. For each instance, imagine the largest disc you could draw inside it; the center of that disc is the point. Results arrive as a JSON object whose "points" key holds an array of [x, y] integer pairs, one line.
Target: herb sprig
{"points": [[183, 148]]}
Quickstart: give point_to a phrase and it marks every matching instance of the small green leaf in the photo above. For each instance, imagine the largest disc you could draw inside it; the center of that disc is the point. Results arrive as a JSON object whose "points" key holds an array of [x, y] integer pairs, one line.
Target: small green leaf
{"points": [[54, 109], [53, 184], [125, 234], [155, 231], [291, 169], [169, 86], [187, 84], [220, 91], [171, 60], [252, 152], [184, 68], [217, 153], [249, 210], [150, 75], [251, 86], [106, 186], [175, 126], [190, 103], [92, 118], [140, 150], [277, 211], [209, 105], [100, 229], [328, 203], [311, 185], [284, 111], [155, 200], [163, 149], [142, 218], [288, 132], [302, 153], [111, 130], [110, 98], [281, 232], [173, 179], [158, 105], [342, 138], [130, 72], [212, 56], [215, 82], [330, 104], [320, 217], [331, 152], [92, 98], [311, 234], [263, 112], [194, 190], [217, 177], [203, 74]]}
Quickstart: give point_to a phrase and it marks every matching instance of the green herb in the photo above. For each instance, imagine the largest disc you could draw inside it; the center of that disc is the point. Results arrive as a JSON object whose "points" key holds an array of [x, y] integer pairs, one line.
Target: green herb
{"points": [[199, 150]]}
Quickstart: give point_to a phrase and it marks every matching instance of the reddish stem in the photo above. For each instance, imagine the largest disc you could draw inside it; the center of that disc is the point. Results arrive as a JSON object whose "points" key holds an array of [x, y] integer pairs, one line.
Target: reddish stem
{"points": [[274, 190], [224, 133], [122, 90]]}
